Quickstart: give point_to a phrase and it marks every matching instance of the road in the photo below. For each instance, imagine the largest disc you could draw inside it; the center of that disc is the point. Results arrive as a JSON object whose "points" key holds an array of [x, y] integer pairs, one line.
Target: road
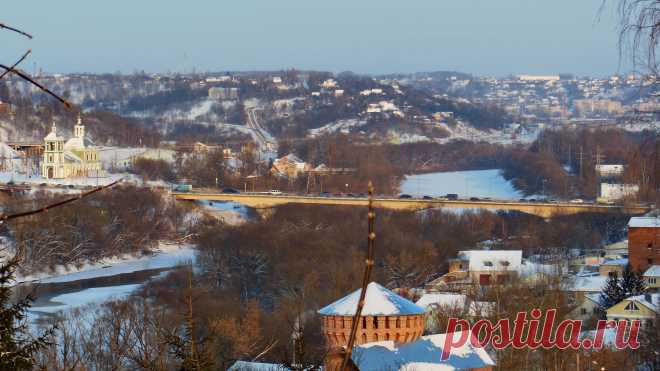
{"points": [[545, 210], [267, 144]]}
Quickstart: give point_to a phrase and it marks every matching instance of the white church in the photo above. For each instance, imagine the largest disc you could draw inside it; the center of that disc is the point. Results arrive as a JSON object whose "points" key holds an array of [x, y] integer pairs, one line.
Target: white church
{"points": [[73, 158]]}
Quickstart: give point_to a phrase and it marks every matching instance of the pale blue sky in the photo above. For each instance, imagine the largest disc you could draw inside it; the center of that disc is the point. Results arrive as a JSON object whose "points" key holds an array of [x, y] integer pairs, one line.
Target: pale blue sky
{"points": [[485, 37]]}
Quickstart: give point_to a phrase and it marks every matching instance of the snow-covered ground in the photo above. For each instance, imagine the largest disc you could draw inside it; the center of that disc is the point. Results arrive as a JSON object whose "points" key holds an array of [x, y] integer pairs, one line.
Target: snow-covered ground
{"points": [[467, 132], [17, 178], [343, 126], [470, 183]]}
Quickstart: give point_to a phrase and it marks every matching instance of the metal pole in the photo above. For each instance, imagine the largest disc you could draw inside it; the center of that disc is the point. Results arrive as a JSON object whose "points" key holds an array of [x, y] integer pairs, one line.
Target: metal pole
{"points": [[369, 263]]}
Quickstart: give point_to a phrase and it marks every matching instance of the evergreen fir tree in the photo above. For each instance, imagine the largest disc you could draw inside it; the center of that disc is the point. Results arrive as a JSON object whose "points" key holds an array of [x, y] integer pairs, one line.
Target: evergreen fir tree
{"points": [[17, 346], [612, 292], [632, 283], [616, 289]]}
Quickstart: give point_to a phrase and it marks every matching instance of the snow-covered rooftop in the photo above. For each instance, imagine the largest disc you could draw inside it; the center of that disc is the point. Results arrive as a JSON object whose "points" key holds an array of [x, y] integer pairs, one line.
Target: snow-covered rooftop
{"points": [[588, 284], [378, 301], [421, 355], [651, 301], [653, 271], [644, 222], [497, 260], [623, 262]]}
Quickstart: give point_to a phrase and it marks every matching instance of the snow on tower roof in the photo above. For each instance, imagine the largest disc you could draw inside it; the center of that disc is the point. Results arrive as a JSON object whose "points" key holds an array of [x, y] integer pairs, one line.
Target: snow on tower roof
{"points": [[378, 301], [53, 134], [421, 355]]}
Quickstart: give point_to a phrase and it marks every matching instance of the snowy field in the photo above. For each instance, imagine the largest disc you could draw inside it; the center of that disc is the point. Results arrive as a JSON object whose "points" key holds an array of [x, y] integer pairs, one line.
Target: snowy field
{"points": [[471, 183]]}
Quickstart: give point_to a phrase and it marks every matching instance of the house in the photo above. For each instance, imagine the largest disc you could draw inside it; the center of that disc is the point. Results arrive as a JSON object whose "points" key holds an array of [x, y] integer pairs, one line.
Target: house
{"points": [[617, 250], [290, 166], [609, 170], [451, 304], [644, 242], [329, 84], [424, 354], [587, 308], [73, 158], [652, 278], [641, 307], [480, 268], [610, 267], [617, 191], [579, 287]]}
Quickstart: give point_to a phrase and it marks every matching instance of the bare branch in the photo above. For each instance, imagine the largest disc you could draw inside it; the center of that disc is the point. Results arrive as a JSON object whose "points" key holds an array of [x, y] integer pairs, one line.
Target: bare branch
{"points": [[45, 89], [16, 64], [57, 204], [2, 25]]}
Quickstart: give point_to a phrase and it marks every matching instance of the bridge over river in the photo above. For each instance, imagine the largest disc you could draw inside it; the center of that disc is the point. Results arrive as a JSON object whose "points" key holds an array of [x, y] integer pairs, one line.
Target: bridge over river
{"points": [[542, 209]]}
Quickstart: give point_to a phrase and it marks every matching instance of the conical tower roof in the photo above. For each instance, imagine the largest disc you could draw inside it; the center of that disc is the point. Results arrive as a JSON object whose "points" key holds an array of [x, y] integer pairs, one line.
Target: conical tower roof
{"points": [[378, 301]]}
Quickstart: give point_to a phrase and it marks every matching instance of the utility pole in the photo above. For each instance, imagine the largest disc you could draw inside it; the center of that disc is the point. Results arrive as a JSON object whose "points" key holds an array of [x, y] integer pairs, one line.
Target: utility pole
{"points": [[581, 159]]}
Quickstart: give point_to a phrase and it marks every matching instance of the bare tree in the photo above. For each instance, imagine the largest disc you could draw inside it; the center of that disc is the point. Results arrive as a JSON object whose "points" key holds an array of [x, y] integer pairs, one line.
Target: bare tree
{"points": [[639, 30]]}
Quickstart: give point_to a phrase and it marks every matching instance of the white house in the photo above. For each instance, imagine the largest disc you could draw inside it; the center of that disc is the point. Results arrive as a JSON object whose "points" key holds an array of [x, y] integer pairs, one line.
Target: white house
{"points": [[617, 191]]}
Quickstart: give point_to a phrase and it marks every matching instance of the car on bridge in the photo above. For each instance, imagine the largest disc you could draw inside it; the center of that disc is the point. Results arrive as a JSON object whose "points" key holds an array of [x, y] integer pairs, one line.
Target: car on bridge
{"points": [[230, 190], [451, 196], [405, 196], [275, 192]]}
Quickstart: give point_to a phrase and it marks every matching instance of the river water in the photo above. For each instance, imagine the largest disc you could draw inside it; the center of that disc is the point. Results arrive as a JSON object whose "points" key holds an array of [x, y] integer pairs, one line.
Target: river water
{"points": [[102, 283], [466, 184]]}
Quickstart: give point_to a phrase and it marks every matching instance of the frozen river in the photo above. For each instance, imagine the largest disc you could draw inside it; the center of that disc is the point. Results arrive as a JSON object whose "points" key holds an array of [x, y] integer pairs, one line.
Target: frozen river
{"points": [[470, 183], [104, 281]]}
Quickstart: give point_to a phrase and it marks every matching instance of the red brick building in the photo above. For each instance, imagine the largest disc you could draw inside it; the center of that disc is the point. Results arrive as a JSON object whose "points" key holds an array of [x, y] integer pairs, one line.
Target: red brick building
{"points": [[643, 242]]}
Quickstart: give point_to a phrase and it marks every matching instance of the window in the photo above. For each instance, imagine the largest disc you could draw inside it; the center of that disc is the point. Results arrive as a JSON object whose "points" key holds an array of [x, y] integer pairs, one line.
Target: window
{"points": [[505, 263], [631, 307], [484, 279], [488, 263], [649, 261], [583, 311]]}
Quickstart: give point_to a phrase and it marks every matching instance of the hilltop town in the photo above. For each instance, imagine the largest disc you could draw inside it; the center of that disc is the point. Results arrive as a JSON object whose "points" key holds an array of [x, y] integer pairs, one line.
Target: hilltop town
{"points": [[214, 209]]}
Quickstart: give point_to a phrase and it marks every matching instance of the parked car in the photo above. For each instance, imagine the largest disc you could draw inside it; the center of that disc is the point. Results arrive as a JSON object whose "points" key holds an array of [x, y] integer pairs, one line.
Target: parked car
{"points": [[324, 194], [474, 199], [405, 196], [275, 192], [183, 188], [427, 198], [451, 196], [230, 190], [576, 201]]}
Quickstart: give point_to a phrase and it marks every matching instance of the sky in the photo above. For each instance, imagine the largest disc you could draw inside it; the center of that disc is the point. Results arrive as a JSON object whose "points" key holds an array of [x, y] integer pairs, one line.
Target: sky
{"points": [[482, 37]]}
